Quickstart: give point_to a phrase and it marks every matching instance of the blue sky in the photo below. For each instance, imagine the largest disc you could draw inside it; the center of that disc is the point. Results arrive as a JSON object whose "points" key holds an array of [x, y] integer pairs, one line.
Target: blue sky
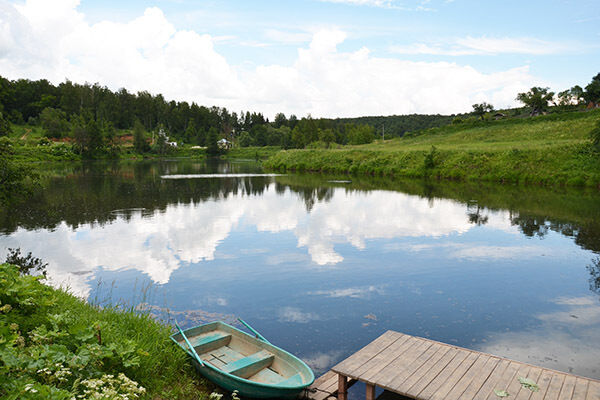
{"points": [[328, 58]]}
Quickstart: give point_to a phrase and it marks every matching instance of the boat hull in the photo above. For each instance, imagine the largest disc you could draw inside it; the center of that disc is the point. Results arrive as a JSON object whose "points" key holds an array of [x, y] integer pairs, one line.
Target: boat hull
{"points": [[295, 374], [246, 389]]}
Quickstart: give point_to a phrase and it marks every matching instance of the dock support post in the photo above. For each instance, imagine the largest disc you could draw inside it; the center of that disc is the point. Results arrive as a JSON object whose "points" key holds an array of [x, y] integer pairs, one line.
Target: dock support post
{"points": [[342, 387], [370, 392]]}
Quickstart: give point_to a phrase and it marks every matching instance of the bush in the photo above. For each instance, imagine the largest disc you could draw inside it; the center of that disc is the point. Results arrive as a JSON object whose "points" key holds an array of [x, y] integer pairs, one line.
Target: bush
{"points": [[55, 346], [595, 136]]}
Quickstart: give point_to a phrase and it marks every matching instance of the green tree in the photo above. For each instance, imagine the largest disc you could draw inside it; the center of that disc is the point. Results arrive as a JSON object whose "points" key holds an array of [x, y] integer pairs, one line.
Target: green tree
{"points": [[482, 108], [298, 138], [5, 128], [570, 97], [592, 91], [280, 120], [327, 136], [537, 98], [54, 122], [88, 135], [245, 140], [139, 137], [212, 148], [191, 132], [162, 145], [361, 134]]}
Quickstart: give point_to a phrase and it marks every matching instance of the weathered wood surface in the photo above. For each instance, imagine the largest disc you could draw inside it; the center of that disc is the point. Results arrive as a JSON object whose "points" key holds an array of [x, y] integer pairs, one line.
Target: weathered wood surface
{"points": [[325, 386], [424, 369]]}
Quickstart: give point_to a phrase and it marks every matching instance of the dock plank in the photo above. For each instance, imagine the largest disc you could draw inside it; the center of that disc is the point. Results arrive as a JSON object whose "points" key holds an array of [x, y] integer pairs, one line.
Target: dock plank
{"points": [[397, 381], [593, 392], [423, 369], [443, 390], [490, 384], [524, 393], [566, 393], [426, 369], [383, 359], [366, 353], [432, 374], [555, 386], [480, 377], [386, 376], [544, 384]]}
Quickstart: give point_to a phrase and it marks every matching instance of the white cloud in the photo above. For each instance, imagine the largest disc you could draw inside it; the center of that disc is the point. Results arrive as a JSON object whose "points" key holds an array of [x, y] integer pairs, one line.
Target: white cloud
{"points": [[565, 340], [352, 292], [418, 6], [53, 40], [487, 46], [293, 314]]}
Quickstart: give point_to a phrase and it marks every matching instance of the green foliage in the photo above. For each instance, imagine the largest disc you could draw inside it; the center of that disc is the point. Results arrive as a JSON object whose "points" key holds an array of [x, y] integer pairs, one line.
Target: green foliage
{"points": [[88, 135], [570, 97], [327, 136], [430, 158], [361, 134], [53, 345], [162, 145], [528, 383], [5, 128], [481, 109], [212, 147], [139, 137], [245, 140], [595, 135], [15, 179], [537, 98], [26, 264], [592, 91], [54, 122], [548, 150]]}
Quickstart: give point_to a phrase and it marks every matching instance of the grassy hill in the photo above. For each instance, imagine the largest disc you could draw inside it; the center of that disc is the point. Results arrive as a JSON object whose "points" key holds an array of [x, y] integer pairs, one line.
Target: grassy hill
{"points": [[551, 149]]}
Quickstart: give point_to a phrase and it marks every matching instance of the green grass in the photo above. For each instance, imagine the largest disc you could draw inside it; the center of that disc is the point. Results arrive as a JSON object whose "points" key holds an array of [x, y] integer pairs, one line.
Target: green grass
{"points": [[252, 153], [549, 150], [55, 345]]}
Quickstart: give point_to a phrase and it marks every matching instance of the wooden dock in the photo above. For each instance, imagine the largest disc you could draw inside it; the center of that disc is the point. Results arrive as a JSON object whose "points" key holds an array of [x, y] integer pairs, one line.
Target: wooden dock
{"points": [[417, 368]]}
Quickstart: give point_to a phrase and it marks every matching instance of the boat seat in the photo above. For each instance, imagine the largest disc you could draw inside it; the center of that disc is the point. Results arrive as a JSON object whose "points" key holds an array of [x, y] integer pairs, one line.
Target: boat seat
{"points": [[248, 366], [294, 380], [210, 342]]}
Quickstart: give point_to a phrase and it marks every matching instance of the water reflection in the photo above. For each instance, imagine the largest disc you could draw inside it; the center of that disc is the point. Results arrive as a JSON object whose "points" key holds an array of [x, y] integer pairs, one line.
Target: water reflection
{"points": [[509, 270], [567, 339]]}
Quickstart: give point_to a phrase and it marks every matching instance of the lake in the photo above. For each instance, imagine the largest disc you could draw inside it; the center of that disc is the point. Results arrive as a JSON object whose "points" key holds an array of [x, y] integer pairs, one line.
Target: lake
{"points": [[322, 265]]}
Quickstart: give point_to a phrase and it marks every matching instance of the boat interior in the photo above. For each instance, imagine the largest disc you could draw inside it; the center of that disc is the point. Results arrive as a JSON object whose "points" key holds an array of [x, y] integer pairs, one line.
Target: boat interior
{"points": [[235, 353]]}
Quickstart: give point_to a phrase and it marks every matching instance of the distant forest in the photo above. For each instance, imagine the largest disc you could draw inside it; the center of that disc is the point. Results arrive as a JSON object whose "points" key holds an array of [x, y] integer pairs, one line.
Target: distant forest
{"points": [[68, 108], [92, 116]]}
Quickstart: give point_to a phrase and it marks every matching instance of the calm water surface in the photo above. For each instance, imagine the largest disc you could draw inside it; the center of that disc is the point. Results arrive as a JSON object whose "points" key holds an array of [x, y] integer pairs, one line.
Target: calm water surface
{"points": [[323, 265]]}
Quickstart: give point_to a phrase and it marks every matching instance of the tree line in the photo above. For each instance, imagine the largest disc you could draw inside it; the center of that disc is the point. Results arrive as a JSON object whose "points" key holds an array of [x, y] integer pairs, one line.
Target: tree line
{"points": [[539, 99], [91, 116]]}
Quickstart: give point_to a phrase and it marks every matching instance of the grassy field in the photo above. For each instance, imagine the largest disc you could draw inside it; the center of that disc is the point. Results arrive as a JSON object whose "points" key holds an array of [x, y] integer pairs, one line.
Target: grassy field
{"points": [[552, 150], [55, 345]]}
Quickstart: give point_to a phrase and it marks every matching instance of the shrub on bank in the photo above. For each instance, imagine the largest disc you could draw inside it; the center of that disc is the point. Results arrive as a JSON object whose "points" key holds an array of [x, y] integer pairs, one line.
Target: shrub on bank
{"points": [[54, 345]]}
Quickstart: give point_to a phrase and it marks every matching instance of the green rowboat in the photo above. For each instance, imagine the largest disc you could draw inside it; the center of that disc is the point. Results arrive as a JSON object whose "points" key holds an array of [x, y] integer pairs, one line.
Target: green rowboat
{"points": [[235, 360]]}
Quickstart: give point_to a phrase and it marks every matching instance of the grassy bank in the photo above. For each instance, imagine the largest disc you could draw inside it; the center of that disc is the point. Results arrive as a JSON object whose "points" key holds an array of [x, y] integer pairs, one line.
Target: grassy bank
{"points": [[252, 153], [550, 150], [54, 345]]}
